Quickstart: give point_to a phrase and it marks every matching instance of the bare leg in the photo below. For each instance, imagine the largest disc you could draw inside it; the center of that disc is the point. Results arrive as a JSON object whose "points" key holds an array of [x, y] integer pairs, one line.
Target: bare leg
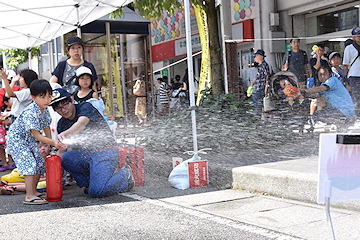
{"points": [[36, 179], [30, 185], [10, 160], [20, 187], [312, 107], [3, 157]]}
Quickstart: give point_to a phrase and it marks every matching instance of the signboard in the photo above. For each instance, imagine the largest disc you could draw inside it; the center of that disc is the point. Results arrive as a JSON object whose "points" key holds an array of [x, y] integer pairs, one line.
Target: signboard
{"points": [[339, 169], [180, 45], [198, 174], [243, 31], [237, 32], [165, 72]]}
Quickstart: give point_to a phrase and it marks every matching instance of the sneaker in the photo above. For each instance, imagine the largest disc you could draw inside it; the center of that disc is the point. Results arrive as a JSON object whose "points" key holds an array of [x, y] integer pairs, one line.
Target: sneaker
{"points": [[311, 121], [14, 176], [2, 169], [130, 177], [320, 123]]}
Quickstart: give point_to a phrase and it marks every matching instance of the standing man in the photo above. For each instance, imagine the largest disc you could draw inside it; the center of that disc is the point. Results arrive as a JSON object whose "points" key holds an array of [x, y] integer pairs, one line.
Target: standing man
{"points": [[93, 157], [351, 64], [260, 82], [296, 61]]}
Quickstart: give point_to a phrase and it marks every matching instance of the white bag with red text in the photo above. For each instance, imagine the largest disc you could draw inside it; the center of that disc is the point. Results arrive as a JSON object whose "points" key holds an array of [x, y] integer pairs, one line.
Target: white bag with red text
{"points": [[179, 176]]}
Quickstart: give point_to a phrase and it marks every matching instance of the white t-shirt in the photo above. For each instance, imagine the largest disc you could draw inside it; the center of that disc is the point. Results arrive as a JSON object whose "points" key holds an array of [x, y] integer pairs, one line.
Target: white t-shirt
{"points": [[22, 100], [350, 54]]}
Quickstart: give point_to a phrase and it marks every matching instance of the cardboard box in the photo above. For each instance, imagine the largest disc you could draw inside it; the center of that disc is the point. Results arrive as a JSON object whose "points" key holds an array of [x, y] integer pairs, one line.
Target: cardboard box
{"points": [[176, 161], [198, 174]]}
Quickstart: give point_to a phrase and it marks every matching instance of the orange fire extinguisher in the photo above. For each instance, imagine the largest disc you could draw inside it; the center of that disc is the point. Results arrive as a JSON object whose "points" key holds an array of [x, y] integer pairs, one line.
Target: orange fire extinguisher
{"points": [[137, 164], [54, 188]]}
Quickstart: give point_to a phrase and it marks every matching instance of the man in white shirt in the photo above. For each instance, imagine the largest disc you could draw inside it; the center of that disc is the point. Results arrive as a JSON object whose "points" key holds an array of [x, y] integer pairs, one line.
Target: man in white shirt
{"points": [[351, 64]]}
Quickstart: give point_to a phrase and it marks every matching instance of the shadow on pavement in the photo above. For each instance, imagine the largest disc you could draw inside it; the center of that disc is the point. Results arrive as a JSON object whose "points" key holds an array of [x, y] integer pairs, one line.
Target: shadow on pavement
{"points": [[156, 187]]}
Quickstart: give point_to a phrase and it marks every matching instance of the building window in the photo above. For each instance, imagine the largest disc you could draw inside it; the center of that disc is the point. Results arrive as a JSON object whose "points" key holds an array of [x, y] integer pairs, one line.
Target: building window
{"points": [[337, 21]]}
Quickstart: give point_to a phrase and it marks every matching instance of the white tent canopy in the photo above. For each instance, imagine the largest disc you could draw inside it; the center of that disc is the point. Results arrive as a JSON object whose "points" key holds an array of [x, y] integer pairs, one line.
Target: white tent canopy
{"points": [[25, 24]]}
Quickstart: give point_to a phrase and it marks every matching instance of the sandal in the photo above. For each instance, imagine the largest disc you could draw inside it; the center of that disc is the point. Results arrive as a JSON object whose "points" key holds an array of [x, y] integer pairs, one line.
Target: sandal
{"points": [[42, 196], [3, 183], [36, 201], [6, 190]]}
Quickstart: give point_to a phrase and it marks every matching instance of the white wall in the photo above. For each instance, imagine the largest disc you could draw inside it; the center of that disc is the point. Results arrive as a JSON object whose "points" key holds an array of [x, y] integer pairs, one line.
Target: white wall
{"points": [[283, 5]]}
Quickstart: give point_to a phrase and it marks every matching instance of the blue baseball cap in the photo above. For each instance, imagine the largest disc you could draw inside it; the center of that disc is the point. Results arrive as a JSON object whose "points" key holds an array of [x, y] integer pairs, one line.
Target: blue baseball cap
{"points": [[355, 31], [260, 52], [58, 95]]}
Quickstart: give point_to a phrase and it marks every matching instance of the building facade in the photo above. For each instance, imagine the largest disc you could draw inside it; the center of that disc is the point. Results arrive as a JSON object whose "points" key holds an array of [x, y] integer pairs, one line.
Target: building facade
{"points": [[249, 25]]}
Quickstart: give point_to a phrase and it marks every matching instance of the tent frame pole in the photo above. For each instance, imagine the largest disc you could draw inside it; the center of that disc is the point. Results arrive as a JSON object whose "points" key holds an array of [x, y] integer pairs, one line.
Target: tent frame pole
{"points": [[191, 77]]}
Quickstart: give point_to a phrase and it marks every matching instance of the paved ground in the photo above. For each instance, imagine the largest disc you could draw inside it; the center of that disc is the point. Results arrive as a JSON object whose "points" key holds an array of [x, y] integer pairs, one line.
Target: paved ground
{"points": [[226, 212], [246, 144]]}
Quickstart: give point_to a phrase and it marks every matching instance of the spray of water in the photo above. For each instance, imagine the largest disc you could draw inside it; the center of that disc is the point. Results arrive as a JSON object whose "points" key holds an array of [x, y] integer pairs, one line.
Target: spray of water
{"points": [[93, 141]]}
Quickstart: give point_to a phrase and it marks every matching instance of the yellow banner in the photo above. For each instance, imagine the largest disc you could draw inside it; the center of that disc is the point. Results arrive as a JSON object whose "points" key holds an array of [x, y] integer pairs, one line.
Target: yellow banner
{"points": [[205, 72], [117, 93], [118, 99]]}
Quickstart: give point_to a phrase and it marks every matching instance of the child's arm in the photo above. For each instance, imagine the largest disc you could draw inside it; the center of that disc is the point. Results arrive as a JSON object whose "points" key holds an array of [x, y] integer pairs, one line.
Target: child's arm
{"points": [[46, 140], [8, 88], [95, 95], [47, 132], [12, 84]]}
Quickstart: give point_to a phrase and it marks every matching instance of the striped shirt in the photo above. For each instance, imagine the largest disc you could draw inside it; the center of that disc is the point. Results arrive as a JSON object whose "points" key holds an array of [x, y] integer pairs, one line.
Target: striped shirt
{"points": [[162, 93]]}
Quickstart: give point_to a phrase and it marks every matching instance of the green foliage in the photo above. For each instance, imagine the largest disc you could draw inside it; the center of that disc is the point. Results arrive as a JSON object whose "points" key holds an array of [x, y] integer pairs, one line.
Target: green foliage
{"points": [[16, 56], [153, 8], [116, 13], [119, 12]]}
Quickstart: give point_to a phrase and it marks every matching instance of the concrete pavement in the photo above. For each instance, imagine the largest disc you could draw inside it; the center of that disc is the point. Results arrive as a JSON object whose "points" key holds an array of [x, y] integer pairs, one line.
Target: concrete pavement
{"points": [[239, 209], [295, 218], [294, 179], [255, 213]]}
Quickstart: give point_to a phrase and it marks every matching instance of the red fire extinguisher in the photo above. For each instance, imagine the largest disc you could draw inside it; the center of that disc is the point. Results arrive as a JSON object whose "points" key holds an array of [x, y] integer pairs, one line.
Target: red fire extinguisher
{"points": [[54, 187], [123, 154], [137, 164]]}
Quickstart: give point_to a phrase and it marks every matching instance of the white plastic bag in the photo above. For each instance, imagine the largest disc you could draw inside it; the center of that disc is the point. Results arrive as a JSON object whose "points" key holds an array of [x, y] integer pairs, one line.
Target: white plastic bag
{"points": [[179, 176]]}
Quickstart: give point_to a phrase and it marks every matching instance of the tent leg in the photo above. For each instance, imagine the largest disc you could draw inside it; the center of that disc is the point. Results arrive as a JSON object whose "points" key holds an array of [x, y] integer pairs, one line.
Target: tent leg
{"points": [[122, 78], [78, 30], [328, 217], [109, 66], [29, 57], [191, 76]]}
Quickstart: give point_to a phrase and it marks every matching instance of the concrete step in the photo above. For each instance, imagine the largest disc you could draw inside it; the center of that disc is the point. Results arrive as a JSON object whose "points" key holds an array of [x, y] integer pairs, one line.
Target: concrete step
{"points": [[294, 179]]}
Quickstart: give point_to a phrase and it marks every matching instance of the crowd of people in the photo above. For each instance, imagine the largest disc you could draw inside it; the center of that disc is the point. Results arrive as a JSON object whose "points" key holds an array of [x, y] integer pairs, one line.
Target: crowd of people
{"points": [[332, 82], [173, 96], [82, 138]]}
